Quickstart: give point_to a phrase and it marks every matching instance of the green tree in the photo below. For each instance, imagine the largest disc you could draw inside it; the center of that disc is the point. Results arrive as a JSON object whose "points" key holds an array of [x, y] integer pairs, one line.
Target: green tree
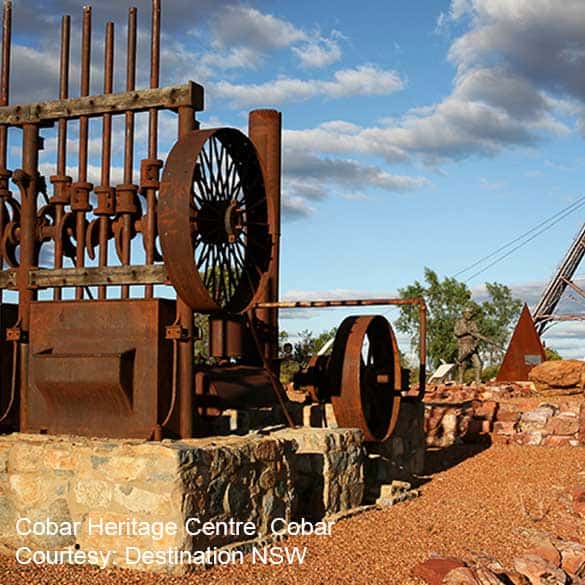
{"points": [[303, 349], [496, 316], [552, 354], [445, 301], [309, 345]]}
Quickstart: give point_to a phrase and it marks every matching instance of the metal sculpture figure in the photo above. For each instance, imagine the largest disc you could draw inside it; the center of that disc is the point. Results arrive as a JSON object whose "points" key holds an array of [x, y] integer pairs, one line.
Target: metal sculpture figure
{"points": [[468, 339]]}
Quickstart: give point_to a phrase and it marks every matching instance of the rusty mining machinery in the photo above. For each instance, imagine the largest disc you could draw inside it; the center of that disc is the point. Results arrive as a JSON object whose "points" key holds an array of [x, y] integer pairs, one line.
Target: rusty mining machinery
{"points": [[92, 347]]}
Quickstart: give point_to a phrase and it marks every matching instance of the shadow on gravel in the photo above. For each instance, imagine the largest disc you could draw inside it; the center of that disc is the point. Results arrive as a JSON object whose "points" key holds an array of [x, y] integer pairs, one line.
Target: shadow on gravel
{"points": [[437, 460]]}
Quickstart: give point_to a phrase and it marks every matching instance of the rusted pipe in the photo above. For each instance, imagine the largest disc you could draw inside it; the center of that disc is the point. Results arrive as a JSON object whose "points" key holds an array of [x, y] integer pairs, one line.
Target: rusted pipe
{"points": [[150, 192], [80, 195], [105, 206], [126, 214], [61, 181], [5, 75], [4, 97], [185, 316], [265, 131], [28, 186]]}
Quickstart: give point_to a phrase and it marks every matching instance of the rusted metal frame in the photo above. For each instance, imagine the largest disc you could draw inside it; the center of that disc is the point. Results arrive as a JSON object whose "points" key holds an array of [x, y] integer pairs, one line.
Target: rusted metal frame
{"points": [[4, 97], [149, 184], [274, 382], [128, 189], [105, 207], [186, 125], [47, 113], [82, 189], [576, 288], [60, 181], [562, 317], [265, 130], [320, 304]]}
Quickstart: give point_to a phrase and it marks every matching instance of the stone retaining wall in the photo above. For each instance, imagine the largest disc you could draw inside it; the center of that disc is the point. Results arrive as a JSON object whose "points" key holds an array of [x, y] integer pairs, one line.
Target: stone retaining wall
{"points": [[86, 483], [399, 457]]}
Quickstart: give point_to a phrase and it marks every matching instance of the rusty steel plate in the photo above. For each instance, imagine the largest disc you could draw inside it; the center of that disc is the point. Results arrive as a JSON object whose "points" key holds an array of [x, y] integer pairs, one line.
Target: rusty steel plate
{"points": [[524, 351], [365, 376], [213, 221]]}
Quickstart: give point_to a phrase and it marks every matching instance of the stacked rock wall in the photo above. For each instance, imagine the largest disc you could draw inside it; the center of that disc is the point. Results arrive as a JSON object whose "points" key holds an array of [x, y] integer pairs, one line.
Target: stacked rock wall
{"points": [[92, 484], [523, 420]]}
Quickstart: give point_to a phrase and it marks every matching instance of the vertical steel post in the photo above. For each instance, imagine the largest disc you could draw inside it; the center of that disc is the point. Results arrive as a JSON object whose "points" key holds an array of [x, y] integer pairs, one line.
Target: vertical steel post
{"points": [[185, 314], [105, 193], [61, 181], [128, 189], [30, 163], [150, 192], [4, 94], [265, 131], [80, 199]]}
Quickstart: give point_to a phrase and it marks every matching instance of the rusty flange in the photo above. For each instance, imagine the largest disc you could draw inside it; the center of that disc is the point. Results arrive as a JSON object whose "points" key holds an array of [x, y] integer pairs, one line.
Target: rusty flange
{"points": [[213, 220], [365, 376]]}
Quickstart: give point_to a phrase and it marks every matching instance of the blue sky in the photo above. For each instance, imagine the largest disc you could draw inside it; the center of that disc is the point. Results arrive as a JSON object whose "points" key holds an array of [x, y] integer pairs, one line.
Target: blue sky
{"points": [[415, 133]]}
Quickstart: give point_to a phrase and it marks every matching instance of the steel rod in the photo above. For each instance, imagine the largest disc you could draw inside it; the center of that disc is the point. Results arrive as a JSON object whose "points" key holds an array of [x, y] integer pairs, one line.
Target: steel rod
{"points": [[5, 75], [185, 318], [104, 220], [320, 304], [80, 226], [129, 140], [60, 185], [152, 140], [30, 164], [4, 97]]}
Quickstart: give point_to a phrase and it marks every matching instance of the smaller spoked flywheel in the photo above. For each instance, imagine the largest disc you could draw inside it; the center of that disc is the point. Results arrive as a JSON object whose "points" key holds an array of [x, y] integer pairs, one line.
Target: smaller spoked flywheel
{"points": [[365, 376], [214, 220]]}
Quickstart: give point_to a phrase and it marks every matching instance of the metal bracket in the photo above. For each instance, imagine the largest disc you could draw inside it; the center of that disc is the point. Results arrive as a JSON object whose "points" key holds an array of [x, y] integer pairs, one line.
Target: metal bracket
{"points": [[176, 331], [16, 334]]}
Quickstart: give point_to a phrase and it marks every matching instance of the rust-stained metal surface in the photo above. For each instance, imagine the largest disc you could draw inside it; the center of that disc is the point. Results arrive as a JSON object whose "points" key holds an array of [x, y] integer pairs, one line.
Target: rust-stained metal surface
{"points": [[101, 365], [524, 351]]}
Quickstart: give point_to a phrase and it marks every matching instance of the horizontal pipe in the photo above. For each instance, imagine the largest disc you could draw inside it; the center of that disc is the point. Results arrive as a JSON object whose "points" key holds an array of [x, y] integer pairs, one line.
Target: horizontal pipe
{"points": [[319, 304]]}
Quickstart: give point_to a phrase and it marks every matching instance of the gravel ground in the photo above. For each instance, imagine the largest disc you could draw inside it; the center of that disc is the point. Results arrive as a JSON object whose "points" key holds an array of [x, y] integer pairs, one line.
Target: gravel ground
{"points": [[472, 501]]}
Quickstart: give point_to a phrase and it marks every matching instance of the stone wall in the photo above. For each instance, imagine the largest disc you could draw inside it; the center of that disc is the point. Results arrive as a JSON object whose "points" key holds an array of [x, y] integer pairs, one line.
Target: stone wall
{"points": [[523, 420], [548, 424], [88, 483], [328, 470]]}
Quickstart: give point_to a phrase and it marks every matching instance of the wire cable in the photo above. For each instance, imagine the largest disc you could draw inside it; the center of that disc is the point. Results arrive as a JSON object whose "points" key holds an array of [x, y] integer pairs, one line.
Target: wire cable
{"points": [[570, 208], [521, 245]]}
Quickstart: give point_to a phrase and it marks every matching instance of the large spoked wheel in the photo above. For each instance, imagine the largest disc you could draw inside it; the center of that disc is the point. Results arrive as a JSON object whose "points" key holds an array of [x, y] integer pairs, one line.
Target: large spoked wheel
{"points": [[365, 376], [214, 222]]}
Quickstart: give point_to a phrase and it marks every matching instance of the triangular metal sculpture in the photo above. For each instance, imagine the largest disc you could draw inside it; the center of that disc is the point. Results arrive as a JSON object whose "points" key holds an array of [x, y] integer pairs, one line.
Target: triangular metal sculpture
{"points": [[524, 351], [544, 312]]}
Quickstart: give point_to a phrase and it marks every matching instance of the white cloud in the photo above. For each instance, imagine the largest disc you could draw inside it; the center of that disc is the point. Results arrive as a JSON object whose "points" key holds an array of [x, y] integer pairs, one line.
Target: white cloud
{"points": [[362, 80], [318, 53], [349, 173], [519, 76], [295, 207], [238, 25]]}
